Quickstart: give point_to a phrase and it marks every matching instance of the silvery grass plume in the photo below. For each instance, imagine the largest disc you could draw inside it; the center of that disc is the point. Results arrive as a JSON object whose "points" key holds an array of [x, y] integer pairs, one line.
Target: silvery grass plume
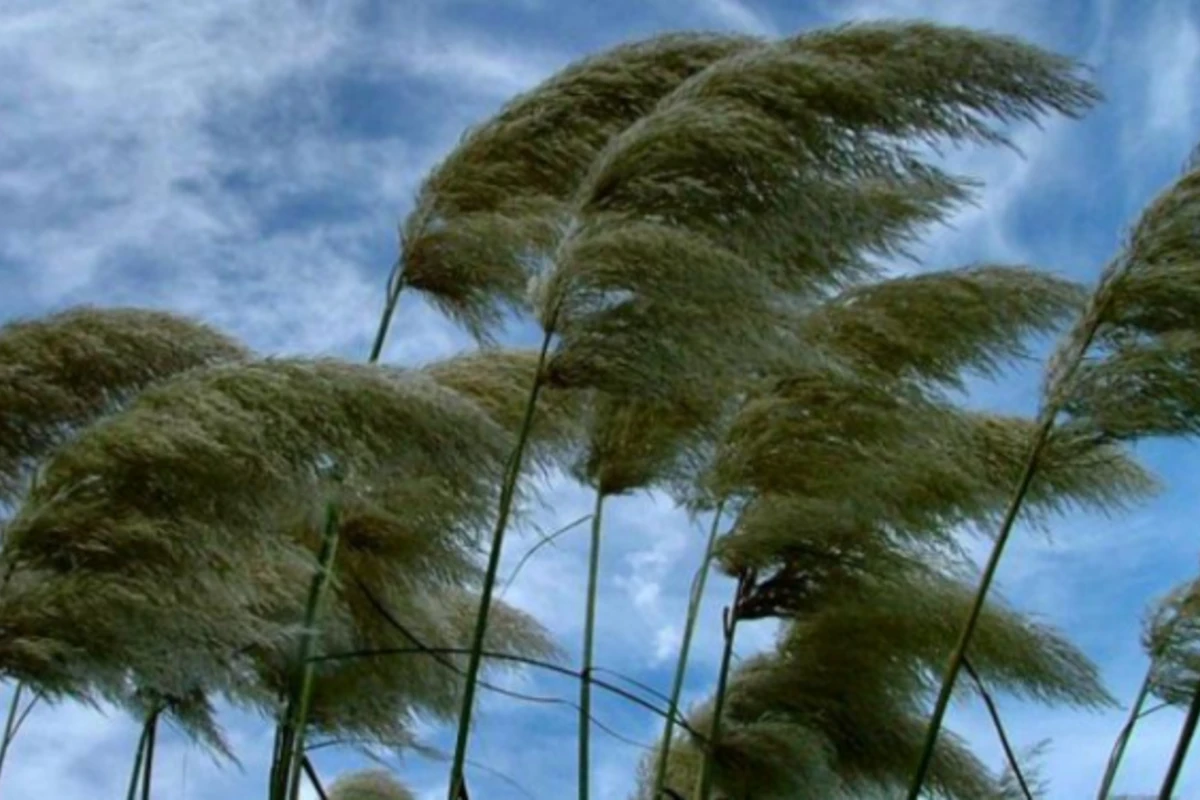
{"points": [[369, 785], [933, 326], [1127, 369], [927, 328], [495, 202], [721, 186], [836, 710], [846, 439], [62, 371], [1172, 640], [924, 330], [684, 245], [1172, 644], [836, 465], [170, 545]]}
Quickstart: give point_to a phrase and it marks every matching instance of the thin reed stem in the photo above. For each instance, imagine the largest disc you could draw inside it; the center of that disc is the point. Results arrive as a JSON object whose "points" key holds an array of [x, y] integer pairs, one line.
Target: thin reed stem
{"points": [[689, 629], [301, 699], [1181, 747], [10, 722], [283, 745], [704, 781], [545, 540], [394, 287], [989, 573], [37, 698], [138, 757], [1126, 733], [151, 736], [589, 634], [531, 662], [456, 786], [1081, 338], [313, 778], [994, 713]]}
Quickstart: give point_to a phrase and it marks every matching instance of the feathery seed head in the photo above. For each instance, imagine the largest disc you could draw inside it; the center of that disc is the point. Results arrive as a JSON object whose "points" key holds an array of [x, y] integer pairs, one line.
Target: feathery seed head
{"points": [[498, 199], [369, 785], [61, 372]]}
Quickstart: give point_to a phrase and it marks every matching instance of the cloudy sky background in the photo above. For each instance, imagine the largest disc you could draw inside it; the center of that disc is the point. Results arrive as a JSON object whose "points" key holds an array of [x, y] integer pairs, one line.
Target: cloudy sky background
{"points": [[247, 162]]}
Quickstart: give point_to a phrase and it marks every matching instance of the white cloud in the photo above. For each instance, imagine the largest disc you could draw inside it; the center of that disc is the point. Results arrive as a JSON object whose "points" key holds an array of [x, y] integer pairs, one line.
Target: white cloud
{"points": [[1173, 50], [738, 15]]}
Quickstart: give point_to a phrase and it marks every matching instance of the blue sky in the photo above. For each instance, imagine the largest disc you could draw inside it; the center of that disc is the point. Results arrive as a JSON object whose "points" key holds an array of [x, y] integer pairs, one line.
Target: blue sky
{"points": [[247, 161]]}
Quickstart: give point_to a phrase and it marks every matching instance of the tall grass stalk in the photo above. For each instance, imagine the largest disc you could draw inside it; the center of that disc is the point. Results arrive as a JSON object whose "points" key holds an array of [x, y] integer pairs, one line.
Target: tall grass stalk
{"points": [[289, 741], [139, 758], [705, 780], [512, 474], [959, 654], [151, 737], [685, 646], [589, 641], [1181, 748], [10, 723], [394, 287], [994, 712], [1126, 733], [291, 751], [313, 778]]}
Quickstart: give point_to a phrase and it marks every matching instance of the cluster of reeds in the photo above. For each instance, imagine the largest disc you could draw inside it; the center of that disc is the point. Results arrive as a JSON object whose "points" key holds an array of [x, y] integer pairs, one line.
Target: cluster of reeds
{"points": [[699, 225]]}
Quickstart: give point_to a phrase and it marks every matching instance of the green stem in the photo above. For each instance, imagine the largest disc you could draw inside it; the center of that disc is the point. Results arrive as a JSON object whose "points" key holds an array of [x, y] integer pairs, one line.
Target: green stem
{"points": [[704, 782], [1114, 761], [302, 697], [151, 735], [275, 788], [516, 659], [994, 713], [545, 540], [507, 493], [10, 723], [589, 634], [985, 583], [395, 286], [313, 778], [689, 628], [138, 757], [1181, 748]]}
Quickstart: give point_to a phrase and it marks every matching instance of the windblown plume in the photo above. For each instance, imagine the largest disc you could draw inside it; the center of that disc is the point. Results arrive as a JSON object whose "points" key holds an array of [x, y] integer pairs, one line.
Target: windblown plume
{"points": [[171, 544], [369, 785], [61, 372], [498, 380], [933, 325], [739, 161], [838, 707], [1131, 367], [498, 198], [905, 457], [1172, 640], [395, 670]]}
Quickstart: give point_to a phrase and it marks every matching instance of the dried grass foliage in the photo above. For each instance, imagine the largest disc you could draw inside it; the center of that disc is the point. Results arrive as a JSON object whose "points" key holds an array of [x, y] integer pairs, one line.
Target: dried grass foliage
{"points": [[1171, 638], [497, 200], [694, 220], [838, 708], [374, 784], [168, 547], [62, 371], [1129, 368]]}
